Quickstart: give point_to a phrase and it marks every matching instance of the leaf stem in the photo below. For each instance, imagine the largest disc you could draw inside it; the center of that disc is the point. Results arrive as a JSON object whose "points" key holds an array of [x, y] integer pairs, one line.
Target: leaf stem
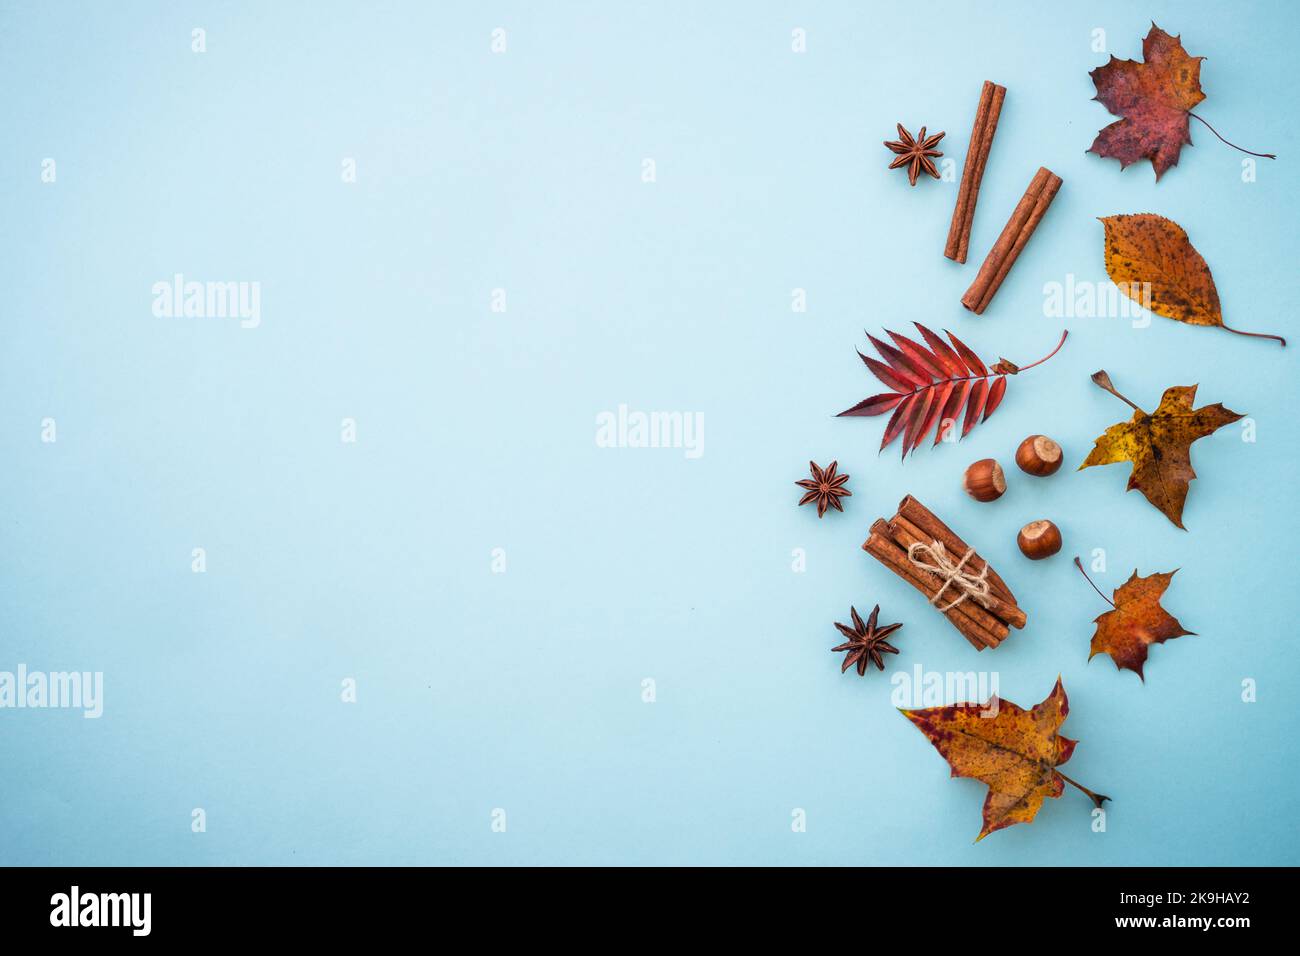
{"points": [[1097, 798], [1079, 564], [1064, 333], [1233, 145], [1257, 335], [1102, 380]]}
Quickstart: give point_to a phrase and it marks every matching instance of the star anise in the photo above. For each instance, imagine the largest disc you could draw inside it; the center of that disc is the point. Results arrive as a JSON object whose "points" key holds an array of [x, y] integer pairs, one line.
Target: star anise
{"points": [[866, 643], [915, 153], [825, 487]]}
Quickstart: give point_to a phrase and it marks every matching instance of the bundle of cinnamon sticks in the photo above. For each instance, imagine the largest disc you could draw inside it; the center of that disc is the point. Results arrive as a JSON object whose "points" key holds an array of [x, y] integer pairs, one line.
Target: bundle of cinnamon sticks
{"points": [[985, 622]]}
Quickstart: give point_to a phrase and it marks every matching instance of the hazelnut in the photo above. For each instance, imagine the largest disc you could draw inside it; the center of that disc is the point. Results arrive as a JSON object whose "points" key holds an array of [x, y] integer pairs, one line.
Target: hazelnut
{"points": [[1039, 539], [1039, 455], [984, 480]]}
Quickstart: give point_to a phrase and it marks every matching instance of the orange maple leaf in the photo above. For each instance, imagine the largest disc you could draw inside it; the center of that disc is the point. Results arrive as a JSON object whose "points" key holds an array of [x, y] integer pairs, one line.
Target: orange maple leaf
{"points": [[1013, 750], [1137, 621]]}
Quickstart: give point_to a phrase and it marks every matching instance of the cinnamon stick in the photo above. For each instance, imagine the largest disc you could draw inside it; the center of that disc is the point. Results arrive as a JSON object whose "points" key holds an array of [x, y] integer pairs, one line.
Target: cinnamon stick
{"points": [[972, 171], [976, 625], [1024, 220], [884, 551], [923, 518], [1001, 612]]}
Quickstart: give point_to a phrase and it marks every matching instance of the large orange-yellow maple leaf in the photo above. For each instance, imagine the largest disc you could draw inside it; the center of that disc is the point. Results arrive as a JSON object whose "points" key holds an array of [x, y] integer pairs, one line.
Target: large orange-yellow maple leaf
{"points": [[1013, 750]]}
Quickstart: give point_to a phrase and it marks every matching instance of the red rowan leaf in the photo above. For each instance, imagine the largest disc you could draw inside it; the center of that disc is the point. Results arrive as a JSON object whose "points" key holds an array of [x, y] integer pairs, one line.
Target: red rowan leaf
{"points": [[970, 358], [900, 363], [941, 393], [912, 437], [921, 403], [898, 420], [996, 391], [953, 364], [919, 355], [975, 405], [951, 409], [887, 375], [875, 405]]}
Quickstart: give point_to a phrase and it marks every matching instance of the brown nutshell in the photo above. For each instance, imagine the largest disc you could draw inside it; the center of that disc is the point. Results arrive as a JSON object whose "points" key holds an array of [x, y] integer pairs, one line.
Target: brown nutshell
{"points": [[984, 480], [1039, 455], [1039, 539]]}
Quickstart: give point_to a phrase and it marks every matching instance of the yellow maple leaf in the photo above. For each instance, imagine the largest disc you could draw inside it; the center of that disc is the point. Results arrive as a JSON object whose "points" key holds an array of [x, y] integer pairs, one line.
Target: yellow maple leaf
{"points": [[1159, 445]]}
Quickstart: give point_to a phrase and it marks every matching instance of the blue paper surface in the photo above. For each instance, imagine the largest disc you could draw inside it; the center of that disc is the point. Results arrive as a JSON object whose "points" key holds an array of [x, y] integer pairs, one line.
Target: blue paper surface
{"points": [[564, 652]]}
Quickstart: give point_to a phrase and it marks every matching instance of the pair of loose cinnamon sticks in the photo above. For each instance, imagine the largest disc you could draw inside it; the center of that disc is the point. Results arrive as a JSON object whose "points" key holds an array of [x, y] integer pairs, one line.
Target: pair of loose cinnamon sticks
{"points": [[1024, 219], [983, 625]]}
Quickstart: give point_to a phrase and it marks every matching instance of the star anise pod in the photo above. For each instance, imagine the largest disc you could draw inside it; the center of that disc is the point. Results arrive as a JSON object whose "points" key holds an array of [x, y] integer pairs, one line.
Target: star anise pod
{"points": [[866, 642], [915, 153], [825, 487]]}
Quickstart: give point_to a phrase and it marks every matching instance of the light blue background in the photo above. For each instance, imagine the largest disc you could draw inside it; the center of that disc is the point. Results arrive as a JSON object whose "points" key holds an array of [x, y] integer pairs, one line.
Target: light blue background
{"points": [[522, 690]]}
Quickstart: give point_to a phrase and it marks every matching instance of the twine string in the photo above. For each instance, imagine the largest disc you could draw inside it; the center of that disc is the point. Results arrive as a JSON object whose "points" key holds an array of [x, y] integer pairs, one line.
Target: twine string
{"points": [[934, 557]]}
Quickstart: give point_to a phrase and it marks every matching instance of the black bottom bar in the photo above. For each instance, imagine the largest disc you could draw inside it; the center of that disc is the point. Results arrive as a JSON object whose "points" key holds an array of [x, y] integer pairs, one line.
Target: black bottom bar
{"points": [[369, 904]]}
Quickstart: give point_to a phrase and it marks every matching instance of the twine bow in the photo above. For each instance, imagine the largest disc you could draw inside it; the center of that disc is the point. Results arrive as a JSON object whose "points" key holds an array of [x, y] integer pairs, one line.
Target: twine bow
{"points": [[971, 585]]}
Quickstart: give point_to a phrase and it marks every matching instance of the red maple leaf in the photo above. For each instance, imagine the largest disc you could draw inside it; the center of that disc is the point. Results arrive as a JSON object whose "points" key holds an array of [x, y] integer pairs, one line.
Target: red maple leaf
{"points": [[1154, 99]]}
